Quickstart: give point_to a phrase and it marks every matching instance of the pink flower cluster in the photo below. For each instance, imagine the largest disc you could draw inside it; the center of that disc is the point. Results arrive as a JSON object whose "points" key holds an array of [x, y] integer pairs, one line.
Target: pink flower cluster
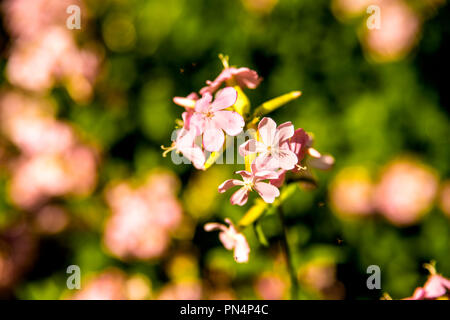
{"points": [[143, 217], [113, 284], [209, 118], [43, 50], [53, 162], [272, 152], [403, 193]]}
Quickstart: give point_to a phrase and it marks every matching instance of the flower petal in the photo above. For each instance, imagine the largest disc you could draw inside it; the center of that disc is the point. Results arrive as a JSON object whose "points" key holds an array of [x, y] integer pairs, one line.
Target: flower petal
{"points": [[284, 132], [266, 174], [229, 184], [286, 159], [247, 78], [224, 98], [267, 191], [197, 123], [266, 161], [278, 182], [196, 156], [230, 121], [245, 174], [203, 104], [214, 226], [248, 147], [241, 249], [213, 139], [240, 197], [324, 162], [267, 129]]}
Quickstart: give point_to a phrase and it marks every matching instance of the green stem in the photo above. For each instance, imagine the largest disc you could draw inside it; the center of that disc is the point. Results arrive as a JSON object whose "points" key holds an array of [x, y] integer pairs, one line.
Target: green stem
{"points": [[287, 254]]}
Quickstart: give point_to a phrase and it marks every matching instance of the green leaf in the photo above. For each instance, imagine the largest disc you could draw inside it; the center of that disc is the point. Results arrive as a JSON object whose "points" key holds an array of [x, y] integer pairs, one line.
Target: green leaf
{"points": [[275, 103]]}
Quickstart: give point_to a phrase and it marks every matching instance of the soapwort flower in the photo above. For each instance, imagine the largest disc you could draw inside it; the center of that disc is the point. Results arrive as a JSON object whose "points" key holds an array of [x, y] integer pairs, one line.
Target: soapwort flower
{"points": [[252, 181], [272, 149], [185, 144], [231, 239], [210, 119]]}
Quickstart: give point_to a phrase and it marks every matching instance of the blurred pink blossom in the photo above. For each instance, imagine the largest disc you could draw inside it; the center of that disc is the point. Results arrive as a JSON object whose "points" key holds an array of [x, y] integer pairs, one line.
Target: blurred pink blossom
{"points": [[42, 176], [397, 33], [185, 290], [351, 192], [26, 19], [17, 251], [109, 285], [51, 219], [142, 217], [271, 287], [51, 56], [405, 192]]}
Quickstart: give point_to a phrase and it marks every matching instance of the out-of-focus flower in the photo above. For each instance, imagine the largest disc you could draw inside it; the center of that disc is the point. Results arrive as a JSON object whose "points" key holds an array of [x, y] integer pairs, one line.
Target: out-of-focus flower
{"points": [[231, 239], [113, 284], [444, 201], [405, 192], [53, 162], [110, 285], [242, 77], [186, 290], [319, 277], [210, 118], [53, 56], [259, 6], [43, 51], [142, 218], [17, 252], [270, 286], [51, 219], [27, 19], [252, 181], [398, 32], [42, 176], [351, 192], [273, 150], [185, 144]]}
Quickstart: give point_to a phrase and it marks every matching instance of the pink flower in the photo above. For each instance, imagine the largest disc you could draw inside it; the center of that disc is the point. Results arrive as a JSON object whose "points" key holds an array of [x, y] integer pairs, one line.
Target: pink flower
{"points": [[231, 239], [189, 104], [274, 151], [252, 180], [299, 144], [318, 160], [185, 144], [243, 77], [435, 287], [210, 119]]}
